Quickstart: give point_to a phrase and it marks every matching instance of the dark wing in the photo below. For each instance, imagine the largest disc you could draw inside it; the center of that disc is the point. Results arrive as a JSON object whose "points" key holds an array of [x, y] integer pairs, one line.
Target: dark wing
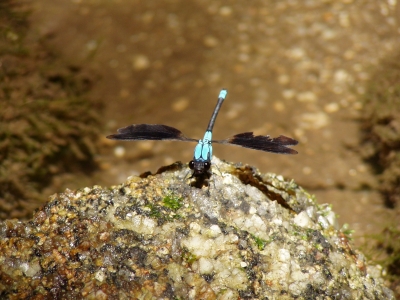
{"points": [[149, 132], [262, 142]]}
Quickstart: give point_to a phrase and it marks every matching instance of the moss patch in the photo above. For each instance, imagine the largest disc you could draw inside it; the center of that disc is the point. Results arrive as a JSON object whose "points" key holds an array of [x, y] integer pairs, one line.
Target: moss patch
{"points": [[384, 249], [47, 126], [381, 147], [381, 127]]}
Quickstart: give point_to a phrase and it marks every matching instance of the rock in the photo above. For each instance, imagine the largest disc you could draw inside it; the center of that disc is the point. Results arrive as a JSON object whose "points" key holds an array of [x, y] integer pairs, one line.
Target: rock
{"points": [[246, 235]]}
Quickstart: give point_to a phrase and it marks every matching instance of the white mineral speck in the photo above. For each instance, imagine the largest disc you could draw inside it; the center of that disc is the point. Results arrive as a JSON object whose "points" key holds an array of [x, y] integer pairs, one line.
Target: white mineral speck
{"points": [[175, 272], [338, 260], [255, 194], [224, 274], [296, 273], [228, 295], [214, 231], [262, 209], [24, 267], [323, 222], [194, 228], [283, 255], [331, 217], [192, 293], [233, 238], [239, 221], [303, 220], [142, 224], [238, 279], [277, 221], [297, 288], [318, 278], [163, 251], [32, 268], [136, 220], [258, 223], [99, 275], [199, 246], [311, 212], [205, 265]]}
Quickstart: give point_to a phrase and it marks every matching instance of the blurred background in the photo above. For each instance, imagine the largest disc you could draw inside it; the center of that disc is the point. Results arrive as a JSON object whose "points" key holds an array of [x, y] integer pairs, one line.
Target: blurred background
{"points": [[323, 72]]}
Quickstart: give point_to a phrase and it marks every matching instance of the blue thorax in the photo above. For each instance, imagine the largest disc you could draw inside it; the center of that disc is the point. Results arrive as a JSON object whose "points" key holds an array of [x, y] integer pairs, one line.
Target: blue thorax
{"points": [[203, 150]]}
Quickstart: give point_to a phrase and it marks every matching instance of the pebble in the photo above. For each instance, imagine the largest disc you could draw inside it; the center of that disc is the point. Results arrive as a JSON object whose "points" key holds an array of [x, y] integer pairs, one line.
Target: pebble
{"points": [[210, 41], [307, 170], [296, 53], [180, 104], [331, 107], [279, 106], [341, 76], [119, 151], [283, 79], [225, 11], [140, 62], [314, 120], [307, 97], [288, 93]]}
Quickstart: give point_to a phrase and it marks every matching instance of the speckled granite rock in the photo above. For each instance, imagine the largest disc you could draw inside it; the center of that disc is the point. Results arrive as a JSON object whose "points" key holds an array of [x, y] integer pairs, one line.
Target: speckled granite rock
{"points": [[246, 235]]}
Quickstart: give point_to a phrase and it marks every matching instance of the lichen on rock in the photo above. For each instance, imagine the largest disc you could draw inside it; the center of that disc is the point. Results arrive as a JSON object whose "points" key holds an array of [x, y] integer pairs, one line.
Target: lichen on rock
{"points": [[246, 235]]}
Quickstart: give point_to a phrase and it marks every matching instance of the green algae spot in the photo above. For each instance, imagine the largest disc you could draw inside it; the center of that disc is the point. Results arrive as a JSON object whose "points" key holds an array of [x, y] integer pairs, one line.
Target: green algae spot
{"points": [[154, 211], [300, 232], [167, 211], [189, 257], [259, 242], [347, 231], [172, 202]]}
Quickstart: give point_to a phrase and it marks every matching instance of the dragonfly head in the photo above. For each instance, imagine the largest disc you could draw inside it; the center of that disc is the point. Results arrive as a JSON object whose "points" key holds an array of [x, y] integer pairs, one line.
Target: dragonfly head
{"points": [[199, 167]]}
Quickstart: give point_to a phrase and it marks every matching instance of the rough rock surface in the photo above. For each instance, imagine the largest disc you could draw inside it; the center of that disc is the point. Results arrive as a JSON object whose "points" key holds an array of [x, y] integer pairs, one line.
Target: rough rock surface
{"points": [[245, 235]]}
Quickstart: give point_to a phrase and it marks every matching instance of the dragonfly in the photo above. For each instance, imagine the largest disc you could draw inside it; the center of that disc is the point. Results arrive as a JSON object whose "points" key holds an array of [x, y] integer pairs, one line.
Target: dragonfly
{"points": [[201, 162]]}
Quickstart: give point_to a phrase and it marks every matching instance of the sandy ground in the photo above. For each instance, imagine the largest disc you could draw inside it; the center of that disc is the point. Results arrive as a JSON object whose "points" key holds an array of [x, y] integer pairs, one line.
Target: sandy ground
{"points": [[298, 68]]}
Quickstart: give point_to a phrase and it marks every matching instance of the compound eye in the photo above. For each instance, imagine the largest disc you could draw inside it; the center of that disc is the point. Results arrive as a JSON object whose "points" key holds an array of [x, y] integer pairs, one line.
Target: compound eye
{"points": [[207, 166], [191, 165]]}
